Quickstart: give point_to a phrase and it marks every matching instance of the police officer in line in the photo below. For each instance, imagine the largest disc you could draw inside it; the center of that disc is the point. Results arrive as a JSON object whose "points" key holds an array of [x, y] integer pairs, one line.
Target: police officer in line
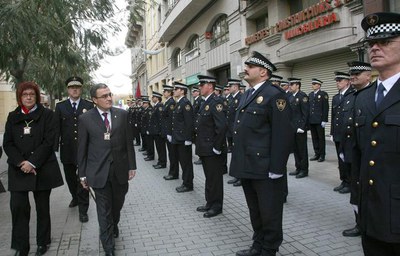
{"points": [[338, 101], [276, 80], [319, 109], [166, 131], [197, 101], [234, 86], [140, 113], [155, 131], [181, 137], [285, 86], [134, 116], [260, 155], [360, 77], [210, 129], [66, 122], [301, 111], [218, 90], [376, 153], [147, 140]]}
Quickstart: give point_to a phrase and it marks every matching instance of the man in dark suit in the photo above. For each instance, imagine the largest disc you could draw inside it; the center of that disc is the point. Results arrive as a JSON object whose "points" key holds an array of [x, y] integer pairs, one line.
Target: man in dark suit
{"points": [[300, 106], [182, 136], [376, 155], [148, 142], [319, 108], [106, 160], [338, 101], [263, 137], [210, 128], [67, 113], [154, 129]]}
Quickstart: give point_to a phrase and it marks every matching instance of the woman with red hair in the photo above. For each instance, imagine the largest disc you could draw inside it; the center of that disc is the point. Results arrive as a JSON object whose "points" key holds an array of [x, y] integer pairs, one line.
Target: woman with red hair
{"points": [[32, 166]]}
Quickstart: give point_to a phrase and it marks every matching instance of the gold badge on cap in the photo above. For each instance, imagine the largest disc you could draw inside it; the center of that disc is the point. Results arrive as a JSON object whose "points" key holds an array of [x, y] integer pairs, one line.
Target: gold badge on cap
{"points": [[187, 107], [305, 99], [219, 107], [280, 104], [372, 19], [207, 107], [259, 99]]}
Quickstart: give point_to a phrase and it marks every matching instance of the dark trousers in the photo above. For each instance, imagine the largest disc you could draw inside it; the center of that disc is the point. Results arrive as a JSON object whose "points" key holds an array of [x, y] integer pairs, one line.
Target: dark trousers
{"points": [[173, 162], [161, 150], [300, 152], [136, 134], [344, 168], [213, 167], [183, 156], [149, 145], [20, 215], [109, 202], [265, 201], [143, 135], [374, 247], [318, 139], [75, 188]]}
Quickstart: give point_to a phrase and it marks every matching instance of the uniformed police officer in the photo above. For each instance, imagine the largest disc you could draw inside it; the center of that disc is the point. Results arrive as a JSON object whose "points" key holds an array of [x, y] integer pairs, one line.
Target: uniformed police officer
{"points": [[260, 155], [343, 85], [360, 77], [147, 140], [285, 86], [155, 130], [66, 119], [319, 108], [135, 120], [276, 80], [182, 135], [377, 153], [210, 128], [166, 131], [197, 101], [219, 92], [301, 111]]}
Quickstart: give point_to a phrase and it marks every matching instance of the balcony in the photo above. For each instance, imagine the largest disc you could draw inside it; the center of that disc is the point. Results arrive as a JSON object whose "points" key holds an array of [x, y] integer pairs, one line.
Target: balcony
{"points": [[179, 15]]}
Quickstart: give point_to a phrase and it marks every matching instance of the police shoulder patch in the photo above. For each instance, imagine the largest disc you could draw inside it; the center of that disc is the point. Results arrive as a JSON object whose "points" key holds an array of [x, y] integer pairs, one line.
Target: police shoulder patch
{"points": [[281, 104], [219, 107]]}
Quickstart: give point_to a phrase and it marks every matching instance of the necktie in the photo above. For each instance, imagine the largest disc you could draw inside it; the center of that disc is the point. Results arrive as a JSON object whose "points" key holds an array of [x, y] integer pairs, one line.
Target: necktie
{"points": [[107, 124], [74, 106], [340, 96], [379, 99], [249, 94]]}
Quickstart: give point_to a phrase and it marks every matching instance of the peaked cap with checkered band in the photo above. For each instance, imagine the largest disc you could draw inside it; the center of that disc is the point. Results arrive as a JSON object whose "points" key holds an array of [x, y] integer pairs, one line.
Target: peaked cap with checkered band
{"points": [[381, 25]]}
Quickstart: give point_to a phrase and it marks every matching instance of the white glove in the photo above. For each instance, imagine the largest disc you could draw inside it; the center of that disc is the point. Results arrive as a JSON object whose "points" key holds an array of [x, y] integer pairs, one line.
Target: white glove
{"points": [[323, 124], [216, 151], [355, 208], [188, 143], [147, 133], [300, 130], [274, 176], [331, 138], [169, 138], [341, 155]]}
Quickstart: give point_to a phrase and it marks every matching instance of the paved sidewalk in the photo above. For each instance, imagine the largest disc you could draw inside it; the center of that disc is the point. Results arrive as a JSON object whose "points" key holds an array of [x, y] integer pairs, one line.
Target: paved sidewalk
{"points": [[158, 221]]}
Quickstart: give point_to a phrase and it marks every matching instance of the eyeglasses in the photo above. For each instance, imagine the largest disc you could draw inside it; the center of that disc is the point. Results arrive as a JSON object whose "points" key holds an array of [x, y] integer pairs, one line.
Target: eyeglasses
{"points": [[25, 95], [105, 96], [380, 42]]}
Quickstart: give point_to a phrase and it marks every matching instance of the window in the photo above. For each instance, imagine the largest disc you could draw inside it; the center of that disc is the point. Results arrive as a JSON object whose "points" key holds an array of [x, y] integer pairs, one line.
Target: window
{"points": [[261, 22], [176, 58], [394, 6], [192, 48], [220, 32]]}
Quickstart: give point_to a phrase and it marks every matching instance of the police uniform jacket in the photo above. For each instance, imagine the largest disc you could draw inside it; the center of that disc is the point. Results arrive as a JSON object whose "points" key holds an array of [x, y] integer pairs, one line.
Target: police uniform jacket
{"points": [[145, 118], [319, 107], [67, 129], [337, 115], [262, 134], [211, 127], [182, 122], [231, 112], [139, 115], [196, 105], [300, 107], [36, 147], [155, 119], [376, 156], [166, 117]]}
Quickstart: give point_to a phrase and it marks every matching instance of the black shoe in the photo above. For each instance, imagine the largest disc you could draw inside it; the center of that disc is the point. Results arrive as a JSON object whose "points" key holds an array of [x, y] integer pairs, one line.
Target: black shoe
{"points": [[249, 252], [183, 188], [170, 177], [345, 190], [73, 203], [294, 173], [141, 149], [83, 218], [42, 249], [232, 181], [145, 153], [149, 158], [21, 253], [353, 232], [268, 252], [136, 144], [160, 166], [198, 162], [314, 158], [212, 213], [339, 187], [202, 208], [301, 175], [116, 232], [237, 183], [321, 159], [109, 253]]}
